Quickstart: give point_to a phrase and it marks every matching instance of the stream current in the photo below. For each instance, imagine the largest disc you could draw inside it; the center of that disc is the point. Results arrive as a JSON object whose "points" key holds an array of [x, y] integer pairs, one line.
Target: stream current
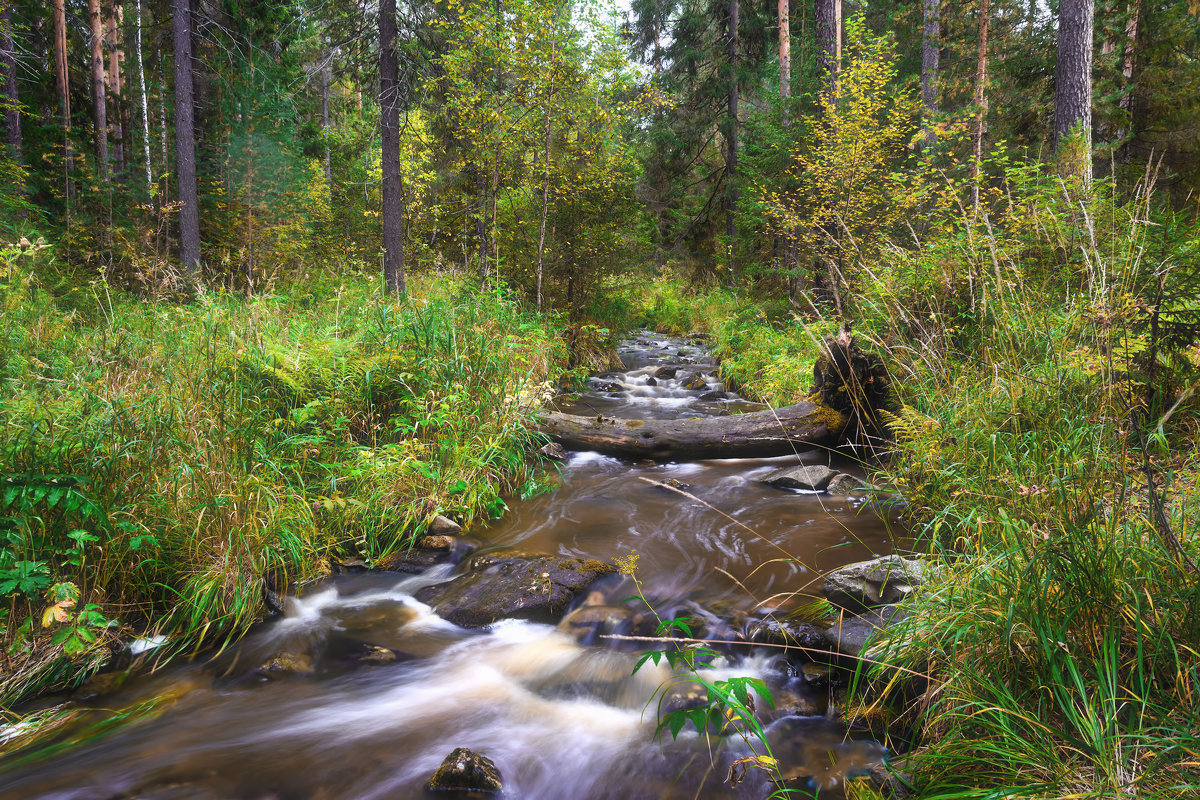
{"points": [[562, 718]]}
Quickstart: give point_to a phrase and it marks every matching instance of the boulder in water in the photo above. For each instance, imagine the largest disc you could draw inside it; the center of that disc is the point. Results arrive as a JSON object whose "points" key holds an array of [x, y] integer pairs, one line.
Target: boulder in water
{"points": [[468, 772], [595, 618], [888, 579], [427, 552], [850, 634], [695, 383], [553, 451], [497, 586], [843, 484], [802, 635], [665, 373], [810, 477], [286, 663]]}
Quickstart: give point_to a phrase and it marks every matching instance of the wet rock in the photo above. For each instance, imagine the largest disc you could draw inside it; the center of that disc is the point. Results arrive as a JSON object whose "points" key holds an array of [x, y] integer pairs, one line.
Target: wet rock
{"points": [[606, 386], [427, 552], [816, 675], [802, 635], [554, 451], [792, 704], [466, 771], [444, 526], [713, 396], [286, 663], [348, 566], [892, 780], [811, 477], [665, 373], [682, 696], [100, 684], [502, 585], [694, 383], [844, 484], [591, 621], [888, 579], [651, 382], [438, 542], [850, 634], [809, 753]]}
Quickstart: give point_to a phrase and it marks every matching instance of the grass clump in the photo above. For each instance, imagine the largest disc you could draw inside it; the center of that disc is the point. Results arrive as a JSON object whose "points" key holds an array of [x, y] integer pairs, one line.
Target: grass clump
{"points": [[1047, 452], [161, 465]]}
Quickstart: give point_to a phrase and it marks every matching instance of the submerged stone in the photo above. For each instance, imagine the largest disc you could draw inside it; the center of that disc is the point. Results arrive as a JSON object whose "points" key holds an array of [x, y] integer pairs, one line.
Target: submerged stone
{"points": [[466, 771]]}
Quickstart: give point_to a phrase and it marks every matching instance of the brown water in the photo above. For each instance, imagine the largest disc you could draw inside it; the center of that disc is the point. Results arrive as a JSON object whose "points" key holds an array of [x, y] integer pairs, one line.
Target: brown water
{"points": [[561, 720]]}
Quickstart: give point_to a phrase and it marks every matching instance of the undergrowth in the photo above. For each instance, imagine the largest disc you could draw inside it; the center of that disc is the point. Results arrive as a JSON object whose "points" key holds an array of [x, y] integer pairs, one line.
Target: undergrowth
{"points": [[162, 465], [1047, 353]]}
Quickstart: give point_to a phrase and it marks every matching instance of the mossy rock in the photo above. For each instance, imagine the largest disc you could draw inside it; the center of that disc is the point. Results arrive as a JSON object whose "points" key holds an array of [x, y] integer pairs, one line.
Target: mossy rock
{"points": [[466, 773]]}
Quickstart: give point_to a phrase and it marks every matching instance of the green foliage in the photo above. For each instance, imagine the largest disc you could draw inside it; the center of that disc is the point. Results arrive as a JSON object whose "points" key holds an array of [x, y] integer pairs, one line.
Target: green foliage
{"points": [[164, 462], [847, 194]]}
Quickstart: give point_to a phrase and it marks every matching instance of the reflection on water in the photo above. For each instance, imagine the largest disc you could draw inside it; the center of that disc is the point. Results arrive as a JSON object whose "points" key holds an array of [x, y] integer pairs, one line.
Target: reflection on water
{"points": [[360, 690]]}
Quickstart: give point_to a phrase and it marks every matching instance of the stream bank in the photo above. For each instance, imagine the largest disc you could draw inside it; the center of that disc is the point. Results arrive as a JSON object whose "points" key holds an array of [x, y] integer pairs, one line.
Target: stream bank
{"points": [[365, 684]]}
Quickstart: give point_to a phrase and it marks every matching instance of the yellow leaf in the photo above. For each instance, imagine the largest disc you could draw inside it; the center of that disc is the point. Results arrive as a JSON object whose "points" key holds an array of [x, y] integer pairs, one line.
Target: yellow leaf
{"points": [[57, 613]]}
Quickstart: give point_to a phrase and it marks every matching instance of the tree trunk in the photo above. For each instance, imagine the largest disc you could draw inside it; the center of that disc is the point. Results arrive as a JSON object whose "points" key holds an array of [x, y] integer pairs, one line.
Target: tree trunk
{"points": [[12, 110], [99, 108], [788, 243], [980, 102], [546, 169], [389, 106], [1128, 65], [185, 142], [61, 79], [931, 42], [141, 68], [829, 43], [162, 121], [758, 435], [116, 61], [731, 144], [785, 58], [1073, 89], [325, 127]]}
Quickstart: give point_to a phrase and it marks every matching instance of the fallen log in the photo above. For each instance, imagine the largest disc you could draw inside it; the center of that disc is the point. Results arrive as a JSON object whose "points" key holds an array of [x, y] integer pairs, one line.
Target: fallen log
{"points": [[760, 434]]}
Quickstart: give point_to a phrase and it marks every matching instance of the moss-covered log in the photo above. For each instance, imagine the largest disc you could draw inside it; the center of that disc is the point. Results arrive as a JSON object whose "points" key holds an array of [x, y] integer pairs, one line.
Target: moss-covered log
{"points": [[756, 435]]}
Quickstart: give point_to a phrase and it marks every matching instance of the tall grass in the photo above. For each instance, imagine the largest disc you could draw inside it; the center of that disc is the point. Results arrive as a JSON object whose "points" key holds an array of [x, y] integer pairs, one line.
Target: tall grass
{"points": [[1046, 352], [161, 465]]}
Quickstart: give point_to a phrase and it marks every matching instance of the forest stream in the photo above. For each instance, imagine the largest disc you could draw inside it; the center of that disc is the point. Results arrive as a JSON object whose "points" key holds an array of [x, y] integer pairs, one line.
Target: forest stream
{"points": [[563, 717]]}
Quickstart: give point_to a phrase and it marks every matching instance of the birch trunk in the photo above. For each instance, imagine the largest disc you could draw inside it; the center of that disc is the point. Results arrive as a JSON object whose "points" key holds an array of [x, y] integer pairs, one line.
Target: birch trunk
{"points": [[141, 68]]}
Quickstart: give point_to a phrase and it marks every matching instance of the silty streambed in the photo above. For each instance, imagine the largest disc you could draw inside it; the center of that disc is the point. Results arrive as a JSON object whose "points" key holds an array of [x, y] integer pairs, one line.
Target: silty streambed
{"points": [[561, 719]]}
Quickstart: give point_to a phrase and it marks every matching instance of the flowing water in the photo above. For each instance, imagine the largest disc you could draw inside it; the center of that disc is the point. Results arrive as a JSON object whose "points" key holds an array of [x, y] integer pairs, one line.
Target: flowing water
{"points": [[563, 718]]}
